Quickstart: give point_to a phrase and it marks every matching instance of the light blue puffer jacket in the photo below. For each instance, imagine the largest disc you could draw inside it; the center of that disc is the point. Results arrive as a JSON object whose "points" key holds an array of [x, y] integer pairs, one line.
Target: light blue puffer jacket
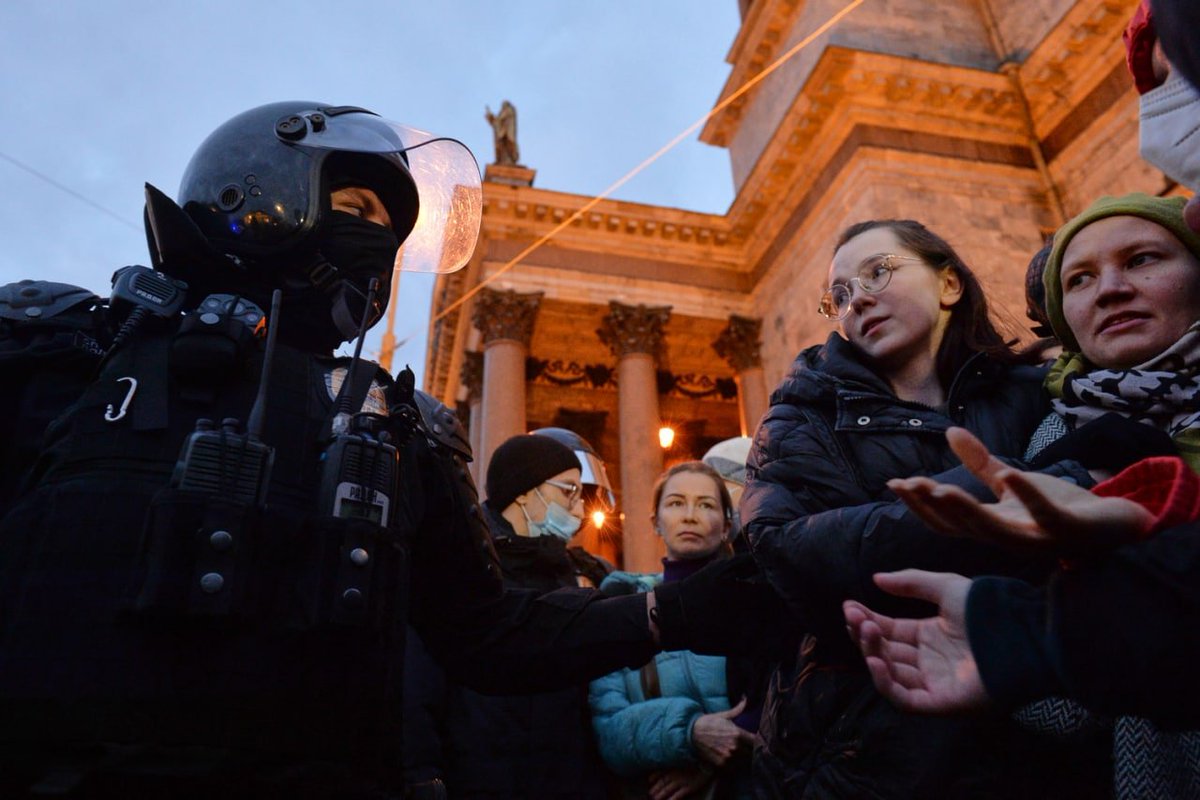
{"points": [[636, 735]]}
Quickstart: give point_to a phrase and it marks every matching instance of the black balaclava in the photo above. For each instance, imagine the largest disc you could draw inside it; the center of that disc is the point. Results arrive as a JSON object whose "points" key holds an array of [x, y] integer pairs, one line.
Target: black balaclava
{"points": [[319, 318]]}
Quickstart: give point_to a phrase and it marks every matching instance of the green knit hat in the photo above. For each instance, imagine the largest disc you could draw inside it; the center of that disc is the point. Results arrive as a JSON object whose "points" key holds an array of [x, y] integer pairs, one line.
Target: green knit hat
{"points": [[1165, 211]]}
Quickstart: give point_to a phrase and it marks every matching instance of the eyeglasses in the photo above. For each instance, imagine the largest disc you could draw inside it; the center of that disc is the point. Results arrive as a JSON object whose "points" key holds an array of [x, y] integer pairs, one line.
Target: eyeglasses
{"points": [[873, 277], [571, 490]]}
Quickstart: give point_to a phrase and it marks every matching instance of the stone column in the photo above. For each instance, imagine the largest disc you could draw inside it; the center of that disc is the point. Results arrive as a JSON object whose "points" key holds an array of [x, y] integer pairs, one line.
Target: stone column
{"points": [[472, 378], [634, 335], [505, 319], [740, 345]]}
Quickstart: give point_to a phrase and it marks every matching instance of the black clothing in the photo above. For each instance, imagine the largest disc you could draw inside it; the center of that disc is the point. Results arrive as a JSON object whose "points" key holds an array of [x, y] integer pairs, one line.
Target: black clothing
{"points": [[113, 632], [1115, 632], [533, 746], [52, 337], [821, 522], [1176, 22]]}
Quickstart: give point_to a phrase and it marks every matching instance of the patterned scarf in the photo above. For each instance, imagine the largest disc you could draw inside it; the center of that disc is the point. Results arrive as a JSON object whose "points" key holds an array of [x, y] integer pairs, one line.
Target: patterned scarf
{"points": [[1164, 392]]}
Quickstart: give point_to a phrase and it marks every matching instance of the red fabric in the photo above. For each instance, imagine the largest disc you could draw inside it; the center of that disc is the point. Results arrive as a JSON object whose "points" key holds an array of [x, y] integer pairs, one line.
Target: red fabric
{"points": [[1139, 39], [1163, 485]]}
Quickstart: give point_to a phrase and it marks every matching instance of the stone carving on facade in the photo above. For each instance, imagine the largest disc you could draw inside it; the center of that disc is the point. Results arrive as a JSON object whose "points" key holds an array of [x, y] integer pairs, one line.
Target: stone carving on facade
{"points": [[472, 375], [740, 343], [504, 133], [506, 315], [634, 329]]}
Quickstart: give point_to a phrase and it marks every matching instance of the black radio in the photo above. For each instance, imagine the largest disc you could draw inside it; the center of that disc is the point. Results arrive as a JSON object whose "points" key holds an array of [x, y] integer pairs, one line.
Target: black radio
{"points": [[226, 460], [359, 466], [358, 472]]}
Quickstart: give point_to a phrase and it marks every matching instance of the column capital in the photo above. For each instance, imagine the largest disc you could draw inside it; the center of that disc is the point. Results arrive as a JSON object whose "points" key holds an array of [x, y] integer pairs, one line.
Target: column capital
{"points": [[740, 344], [634, 329], [471, 375], [506, 315]]}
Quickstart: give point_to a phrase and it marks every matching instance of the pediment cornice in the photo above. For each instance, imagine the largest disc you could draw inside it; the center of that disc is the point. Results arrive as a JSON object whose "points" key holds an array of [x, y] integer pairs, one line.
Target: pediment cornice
{"points": [[911, 105], [757, 45], [1076, 56], [611, 226]]}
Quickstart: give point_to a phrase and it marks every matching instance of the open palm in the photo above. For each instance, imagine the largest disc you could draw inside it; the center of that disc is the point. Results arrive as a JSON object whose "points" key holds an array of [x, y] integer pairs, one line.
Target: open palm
{"points": [[1033, 510]]}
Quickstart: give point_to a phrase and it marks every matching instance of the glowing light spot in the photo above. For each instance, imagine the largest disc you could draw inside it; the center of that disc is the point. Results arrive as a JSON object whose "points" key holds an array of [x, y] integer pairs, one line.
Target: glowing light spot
{"points": [[666, 437]]}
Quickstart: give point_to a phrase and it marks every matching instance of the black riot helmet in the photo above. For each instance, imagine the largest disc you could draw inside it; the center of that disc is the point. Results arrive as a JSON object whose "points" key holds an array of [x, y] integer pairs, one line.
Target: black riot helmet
{"points": [[256, 194], [593, 475]]}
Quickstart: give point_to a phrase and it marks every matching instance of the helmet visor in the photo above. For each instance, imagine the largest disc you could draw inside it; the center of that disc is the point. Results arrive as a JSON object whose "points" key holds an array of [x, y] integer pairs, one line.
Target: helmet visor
{"points": [[447, 178], [592, 473]]}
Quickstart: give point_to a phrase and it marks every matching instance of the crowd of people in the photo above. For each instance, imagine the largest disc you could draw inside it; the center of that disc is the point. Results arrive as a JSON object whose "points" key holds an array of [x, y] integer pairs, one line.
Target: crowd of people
{"points": [[945, 565]]}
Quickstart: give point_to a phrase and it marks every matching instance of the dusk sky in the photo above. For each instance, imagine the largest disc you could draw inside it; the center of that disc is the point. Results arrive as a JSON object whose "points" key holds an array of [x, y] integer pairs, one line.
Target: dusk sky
{"points": [[104, 96]]}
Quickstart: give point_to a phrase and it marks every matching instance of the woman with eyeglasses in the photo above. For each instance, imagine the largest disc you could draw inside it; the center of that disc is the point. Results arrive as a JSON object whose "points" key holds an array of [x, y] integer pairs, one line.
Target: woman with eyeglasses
{"points": [[916, 352], [671, 729], [533, 746]]}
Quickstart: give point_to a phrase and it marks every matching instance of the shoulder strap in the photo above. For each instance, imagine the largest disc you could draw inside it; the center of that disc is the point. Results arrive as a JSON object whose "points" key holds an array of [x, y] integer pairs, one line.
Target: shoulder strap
{"points": [[651, 688]]}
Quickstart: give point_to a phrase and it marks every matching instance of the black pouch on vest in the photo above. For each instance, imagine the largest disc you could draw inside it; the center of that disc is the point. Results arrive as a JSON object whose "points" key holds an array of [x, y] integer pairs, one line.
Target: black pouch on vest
{"points": [[361, 574], [197, 556]]}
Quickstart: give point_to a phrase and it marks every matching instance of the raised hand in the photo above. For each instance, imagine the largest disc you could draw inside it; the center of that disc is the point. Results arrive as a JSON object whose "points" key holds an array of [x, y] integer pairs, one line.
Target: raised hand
{"points": [[921, 665], [1033, 511], [716, 737]]}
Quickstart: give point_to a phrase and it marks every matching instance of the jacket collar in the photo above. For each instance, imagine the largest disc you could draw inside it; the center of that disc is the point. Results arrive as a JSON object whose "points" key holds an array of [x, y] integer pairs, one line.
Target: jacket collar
{"points": [[863, 400]]}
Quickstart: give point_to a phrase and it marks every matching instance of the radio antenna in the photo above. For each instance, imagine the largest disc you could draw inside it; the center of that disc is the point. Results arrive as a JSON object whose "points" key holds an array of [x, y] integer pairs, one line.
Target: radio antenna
{"points": [[258, 411], [345, 398]]}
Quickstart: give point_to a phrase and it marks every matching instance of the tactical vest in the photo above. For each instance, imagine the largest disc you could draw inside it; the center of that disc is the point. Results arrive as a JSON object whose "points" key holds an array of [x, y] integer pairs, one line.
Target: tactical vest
{"points": [[137, 611], [52, 337]]}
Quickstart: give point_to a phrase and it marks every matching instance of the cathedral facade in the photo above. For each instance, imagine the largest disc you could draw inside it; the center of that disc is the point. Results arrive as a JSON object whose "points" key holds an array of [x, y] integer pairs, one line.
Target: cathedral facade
{"points": [[991, 121]]}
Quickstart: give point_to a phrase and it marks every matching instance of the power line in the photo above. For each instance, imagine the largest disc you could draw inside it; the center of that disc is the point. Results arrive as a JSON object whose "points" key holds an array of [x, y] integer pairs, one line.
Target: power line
{"points": [[68, 190], [718, 108]]}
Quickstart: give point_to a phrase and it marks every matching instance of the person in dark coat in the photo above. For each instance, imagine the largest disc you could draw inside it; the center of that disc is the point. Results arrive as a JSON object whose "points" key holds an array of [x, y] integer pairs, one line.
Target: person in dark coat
{"points": [[919, 354], [1122, 295], [534, 746]]}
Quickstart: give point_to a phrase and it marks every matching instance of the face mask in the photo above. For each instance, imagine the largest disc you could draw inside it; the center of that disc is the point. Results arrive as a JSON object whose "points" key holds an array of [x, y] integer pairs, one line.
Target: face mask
{"points": [[319, 320], [1169, 129], [557, 522]]}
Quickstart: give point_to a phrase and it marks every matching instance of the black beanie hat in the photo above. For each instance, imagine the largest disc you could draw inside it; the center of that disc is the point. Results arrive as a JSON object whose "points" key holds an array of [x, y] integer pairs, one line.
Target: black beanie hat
{"points": [[522, 463]]}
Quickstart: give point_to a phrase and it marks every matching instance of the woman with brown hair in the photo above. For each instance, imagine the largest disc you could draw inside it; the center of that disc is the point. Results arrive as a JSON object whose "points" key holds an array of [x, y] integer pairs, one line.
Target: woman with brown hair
{"points": [[917, 352], [670, 729]]}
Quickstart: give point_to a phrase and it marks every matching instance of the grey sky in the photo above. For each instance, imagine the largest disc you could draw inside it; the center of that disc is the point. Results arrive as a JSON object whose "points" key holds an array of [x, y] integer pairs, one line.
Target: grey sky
{"points": [[103, 96]]}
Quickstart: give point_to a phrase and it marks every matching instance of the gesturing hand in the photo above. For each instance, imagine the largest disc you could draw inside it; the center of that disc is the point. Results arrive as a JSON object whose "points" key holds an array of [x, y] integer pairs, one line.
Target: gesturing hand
{"points": [[716, 737], [921, 665], [1034, 510], [678, 782]]}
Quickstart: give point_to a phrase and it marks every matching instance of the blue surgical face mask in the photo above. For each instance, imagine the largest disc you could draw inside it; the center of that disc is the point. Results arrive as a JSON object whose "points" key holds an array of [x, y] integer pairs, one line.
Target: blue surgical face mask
{"points": [[557, 522]]}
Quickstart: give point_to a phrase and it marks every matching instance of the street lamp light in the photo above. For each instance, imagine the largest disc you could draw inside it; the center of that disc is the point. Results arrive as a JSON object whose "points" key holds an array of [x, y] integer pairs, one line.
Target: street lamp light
{"points": [[666, 436]]}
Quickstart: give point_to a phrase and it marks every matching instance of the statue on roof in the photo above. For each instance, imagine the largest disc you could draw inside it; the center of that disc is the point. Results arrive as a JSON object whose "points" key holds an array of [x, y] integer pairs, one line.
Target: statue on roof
{"points": [[504, 133]]}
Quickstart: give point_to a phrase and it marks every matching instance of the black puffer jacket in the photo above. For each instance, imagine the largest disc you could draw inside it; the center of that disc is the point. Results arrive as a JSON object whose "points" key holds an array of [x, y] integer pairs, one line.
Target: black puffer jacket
{"points": [[535, 746], [821, 521]]}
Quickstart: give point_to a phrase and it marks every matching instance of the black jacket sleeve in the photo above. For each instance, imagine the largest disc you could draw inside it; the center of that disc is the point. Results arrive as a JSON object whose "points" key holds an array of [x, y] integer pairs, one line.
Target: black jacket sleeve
{"points": [[490, 639], [1118, 633], [819, 537]]}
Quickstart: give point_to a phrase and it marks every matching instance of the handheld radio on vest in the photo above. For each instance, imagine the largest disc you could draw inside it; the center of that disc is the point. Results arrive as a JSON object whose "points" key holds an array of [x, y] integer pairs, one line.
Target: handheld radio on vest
{"points": [[225, 461], [359, 467]]}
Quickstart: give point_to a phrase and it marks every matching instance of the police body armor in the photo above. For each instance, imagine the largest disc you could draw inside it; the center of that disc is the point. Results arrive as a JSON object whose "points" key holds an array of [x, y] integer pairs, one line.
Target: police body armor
{"points": [[138, 610]]}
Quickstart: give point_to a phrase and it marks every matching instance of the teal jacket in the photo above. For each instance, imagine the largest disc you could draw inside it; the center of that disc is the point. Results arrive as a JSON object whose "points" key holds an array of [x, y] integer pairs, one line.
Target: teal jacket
{"points": [[636, 735]]}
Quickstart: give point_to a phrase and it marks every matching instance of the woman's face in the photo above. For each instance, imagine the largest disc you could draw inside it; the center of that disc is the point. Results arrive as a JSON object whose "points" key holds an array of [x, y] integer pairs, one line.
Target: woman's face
{"points": [[690, 517], [1130, 290], [908, 318]]}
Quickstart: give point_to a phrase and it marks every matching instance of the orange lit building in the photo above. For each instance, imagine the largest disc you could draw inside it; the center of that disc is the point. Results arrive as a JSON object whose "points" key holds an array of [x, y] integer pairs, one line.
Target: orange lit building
{"points": [[989, 120]]}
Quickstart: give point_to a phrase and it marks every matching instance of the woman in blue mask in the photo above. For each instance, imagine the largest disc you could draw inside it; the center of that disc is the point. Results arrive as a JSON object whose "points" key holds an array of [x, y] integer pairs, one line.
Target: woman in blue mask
{"points": [[535, 746], [679, 727]]}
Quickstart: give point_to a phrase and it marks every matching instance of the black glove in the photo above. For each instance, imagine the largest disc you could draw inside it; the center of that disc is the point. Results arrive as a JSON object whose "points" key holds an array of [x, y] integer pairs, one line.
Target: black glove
{"points": [[727, 608], [1110, 443]]}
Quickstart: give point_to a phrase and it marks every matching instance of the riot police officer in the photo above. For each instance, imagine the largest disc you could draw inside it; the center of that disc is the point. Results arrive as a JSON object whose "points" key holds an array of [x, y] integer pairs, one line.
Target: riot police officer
{"points": [[205, 587]]}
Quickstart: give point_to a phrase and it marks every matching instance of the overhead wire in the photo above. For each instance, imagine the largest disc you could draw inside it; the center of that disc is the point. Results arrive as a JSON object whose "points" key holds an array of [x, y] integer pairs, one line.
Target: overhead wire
{"points": [[68, 190], [718, 108]]}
